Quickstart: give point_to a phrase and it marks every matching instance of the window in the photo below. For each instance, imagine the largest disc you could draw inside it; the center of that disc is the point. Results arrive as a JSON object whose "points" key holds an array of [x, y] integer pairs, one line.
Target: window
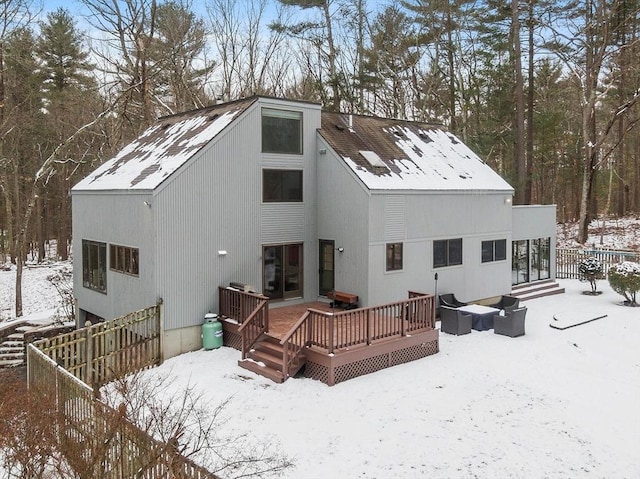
{"points": [[394, 256], [94, 265], [123, 259], [447, 252], [281, 131], [281, 186], [495, 250]]}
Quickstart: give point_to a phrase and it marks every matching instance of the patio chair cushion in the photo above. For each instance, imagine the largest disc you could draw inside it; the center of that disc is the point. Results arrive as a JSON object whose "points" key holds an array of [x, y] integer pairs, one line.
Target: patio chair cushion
{"points": [[450, 300], [507, 303]]}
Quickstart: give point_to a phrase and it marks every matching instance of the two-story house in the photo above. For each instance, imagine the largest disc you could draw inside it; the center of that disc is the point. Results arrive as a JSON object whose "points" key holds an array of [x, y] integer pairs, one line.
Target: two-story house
{"points": [[296, 202]]}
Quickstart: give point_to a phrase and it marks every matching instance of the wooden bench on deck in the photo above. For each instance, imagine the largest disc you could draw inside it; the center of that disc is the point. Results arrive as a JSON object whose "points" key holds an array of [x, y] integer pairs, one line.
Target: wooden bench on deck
{"points": [[343, 299]]}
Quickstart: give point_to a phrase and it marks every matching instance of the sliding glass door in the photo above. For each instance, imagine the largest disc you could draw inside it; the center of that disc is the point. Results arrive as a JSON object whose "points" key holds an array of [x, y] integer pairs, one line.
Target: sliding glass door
{"points": [[282, 271]]}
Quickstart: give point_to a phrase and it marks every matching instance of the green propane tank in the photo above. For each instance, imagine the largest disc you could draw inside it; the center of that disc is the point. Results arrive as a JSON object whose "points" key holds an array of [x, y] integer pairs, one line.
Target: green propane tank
{"points": [[211, 332]]}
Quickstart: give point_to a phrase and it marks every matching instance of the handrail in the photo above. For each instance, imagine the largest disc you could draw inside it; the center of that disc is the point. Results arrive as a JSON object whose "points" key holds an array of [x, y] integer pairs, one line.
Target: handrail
{"points": [[254, 326], [338, 330], [237, 304], [291, 349]]}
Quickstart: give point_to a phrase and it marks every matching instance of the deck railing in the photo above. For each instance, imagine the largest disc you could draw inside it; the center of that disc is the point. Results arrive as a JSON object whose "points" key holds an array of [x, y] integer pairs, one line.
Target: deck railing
{"points": [[250, 310], [256, 324], [237, 304], [102, 352], [360, 327], [298, 337], [568, 260]]}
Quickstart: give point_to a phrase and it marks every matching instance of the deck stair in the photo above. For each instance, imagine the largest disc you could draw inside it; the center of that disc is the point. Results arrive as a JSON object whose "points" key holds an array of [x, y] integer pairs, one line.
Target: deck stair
{"points": [[267, 358], [537, 289]]}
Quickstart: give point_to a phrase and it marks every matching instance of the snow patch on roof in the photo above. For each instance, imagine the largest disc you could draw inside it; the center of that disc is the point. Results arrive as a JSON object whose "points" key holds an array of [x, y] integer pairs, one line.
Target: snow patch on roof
{"points": [[157, 153], [432, 159]]}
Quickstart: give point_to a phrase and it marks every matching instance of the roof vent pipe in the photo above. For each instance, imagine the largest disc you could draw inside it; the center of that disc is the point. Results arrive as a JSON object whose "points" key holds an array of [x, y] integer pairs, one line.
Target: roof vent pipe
{"points": [[350, 122]]}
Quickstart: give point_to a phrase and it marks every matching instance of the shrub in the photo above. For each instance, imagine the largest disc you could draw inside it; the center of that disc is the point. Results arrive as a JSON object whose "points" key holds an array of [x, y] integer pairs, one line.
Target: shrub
{"points": [[590, 270], [624, 279]]}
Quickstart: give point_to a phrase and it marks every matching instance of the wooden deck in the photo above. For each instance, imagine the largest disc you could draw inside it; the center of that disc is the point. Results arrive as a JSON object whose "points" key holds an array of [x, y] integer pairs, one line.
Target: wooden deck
{"points": [[324, 343], [282, 319]]}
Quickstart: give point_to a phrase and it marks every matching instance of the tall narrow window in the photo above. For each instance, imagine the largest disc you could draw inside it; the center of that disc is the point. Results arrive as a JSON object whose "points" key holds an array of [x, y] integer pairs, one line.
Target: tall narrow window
{"points": [[394, 256], [281, 186], [281, 131], [447, 252], [94, 265]]}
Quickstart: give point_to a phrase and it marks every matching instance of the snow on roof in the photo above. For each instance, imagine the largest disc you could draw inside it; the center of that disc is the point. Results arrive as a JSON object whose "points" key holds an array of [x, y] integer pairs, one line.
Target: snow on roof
{"points": [[417, 156], [163, 148]]}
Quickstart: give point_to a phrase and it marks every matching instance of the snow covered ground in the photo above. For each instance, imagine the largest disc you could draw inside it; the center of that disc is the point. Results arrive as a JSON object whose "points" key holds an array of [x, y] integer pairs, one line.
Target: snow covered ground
{"points": [[612, 233], [552, 404], [38, 294]]}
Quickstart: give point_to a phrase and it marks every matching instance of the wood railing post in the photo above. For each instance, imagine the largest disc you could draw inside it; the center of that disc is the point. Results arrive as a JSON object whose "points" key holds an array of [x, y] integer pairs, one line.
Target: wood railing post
{"points": [[403, 316], [89, 376], [331, 332], [368, 326]]}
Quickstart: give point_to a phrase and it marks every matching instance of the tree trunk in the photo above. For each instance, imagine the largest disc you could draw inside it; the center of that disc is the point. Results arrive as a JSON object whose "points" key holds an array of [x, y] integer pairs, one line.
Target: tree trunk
{"points": [[334, 81], [40, 230], [19, 264], [530, 105], [518, 93]]}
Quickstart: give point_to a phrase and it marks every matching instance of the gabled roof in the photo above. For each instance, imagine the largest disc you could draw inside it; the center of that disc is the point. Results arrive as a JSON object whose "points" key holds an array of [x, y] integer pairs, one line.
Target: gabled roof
{"points": [[162, 149], [389, 154]]}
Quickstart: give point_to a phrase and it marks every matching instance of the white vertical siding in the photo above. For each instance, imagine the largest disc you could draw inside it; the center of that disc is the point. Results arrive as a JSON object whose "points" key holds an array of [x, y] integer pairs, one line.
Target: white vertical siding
{"points": [[343, 217], [215, 204], [432, 216], [122, 219]]}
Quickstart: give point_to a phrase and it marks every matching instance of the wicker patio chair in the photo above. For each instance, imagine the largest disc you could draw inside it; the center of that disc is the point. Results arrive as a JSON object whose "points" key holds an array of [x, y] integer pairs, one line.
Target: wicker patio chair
{"points": [[450, 300], [508, 303], [511, 324], [453, 321]]}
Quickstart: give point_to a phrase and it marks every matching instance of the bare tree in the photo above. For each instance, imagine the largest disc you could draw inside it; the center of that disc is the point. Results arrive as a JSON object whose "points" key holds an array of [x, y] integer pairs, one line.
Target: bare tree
{"points": [[585, 43], [252, 58], [127, 29]]}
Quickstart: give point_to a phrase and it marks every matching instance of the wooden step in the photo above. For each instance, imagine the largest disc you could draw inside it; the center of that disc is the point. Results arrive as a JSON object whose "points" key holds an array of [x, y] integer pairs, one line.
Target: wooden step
{"points": [[521, 291], [10, 363], [15, 337], [25, 328], [262, 370], [12, 355], [266, 359], [10, 349], [273, 362], [542, 293], [535, 284], [537, 289]]}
